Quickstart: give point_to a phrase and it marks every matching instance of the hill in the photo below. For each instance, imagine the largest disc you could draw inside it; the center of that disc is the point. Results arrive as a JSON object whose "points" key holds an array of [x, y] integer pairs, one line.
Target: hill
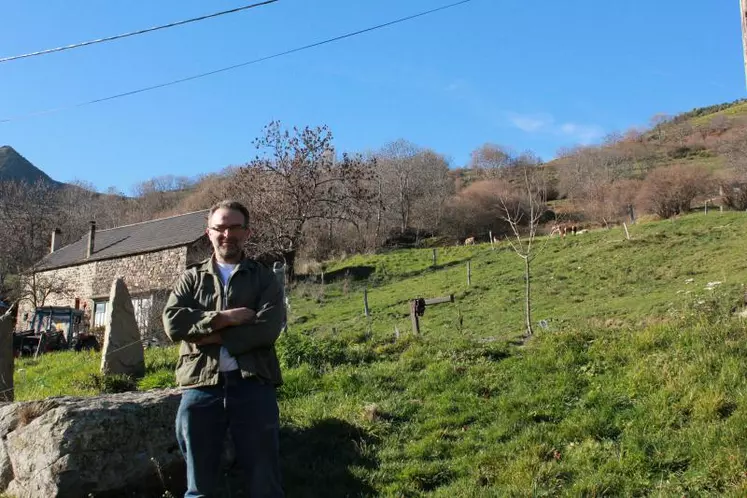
{"points": [[634, 384], [702, 136], [15, 167]]}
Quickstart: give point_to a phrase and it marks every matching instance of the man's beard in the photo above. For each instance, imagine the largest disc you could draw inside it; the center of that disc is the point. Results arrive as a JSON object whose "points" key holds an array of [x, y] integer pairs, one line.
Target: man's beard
{"points": [[229, 250]]}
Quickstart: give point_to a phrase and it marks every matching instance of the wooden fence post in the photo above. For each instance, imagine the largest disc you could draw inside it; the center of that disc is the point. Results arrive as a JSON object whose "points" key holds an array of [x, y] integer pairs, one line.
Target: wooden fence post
{"points": [[469, 273], [414, 317], [365, 302], [492, 245], [425, 302], [435, 257]]}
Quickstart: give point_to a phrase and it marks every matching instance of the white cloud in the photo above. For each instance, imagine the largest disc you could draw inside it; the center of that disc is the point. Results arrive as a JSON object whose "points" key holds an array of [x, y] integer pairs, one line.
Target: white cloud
{"points": [[583, 133], [546, 124], [531, 123]]}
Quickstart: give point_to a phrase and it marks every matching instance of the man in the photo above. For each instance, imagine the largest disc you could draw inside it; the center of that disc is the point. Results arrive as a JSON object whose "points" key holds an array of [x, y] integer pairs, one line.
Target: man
{"points": [[227, 312]]}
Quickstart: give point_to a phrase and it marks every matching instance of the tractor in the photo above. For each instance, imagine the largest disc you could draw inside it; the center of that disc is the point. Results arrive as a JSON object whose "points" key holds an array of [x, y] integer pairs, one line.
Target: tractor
{"points": [[53, 328]]}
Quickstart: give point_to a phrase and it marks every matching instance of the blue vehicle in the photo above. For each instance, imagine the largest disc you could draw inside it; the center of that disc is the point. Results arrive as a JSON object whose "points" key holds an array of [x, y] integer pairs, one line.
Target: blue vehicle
{"points": [[53, 328]]}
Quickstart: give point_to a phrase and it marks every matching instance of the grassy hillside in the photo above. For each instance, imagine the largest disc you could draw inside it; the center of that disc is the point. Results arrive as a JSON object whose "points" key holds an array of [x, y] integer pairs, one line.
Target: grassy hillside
{"points": [[636, 386]]}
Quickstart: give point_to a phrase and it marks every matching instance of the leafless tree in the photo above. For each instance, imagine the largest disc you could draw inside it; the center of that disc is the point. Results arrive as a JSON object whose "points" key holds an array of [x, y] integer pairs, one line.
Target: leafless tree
{"points": [[295, 180], [658, 124], [491, 161], [28, 214], [719, 125], [524, 218], [158, 196], [37, 287], [733, 182], [588, 169]]}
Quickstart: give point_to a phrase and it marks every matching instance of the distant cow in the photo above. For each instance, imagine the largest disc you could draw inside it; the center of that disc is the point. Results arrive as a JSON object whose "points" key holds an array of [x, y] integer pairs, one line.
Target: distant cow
{"points": [[469, 241], [563, 229]]}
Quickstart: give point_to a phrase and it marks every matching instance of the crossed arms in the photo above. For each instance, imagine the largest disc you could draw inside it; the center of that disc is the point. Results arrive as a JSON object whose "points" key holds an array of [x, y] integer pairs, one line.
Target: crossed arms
{"points": [[239, 330]]}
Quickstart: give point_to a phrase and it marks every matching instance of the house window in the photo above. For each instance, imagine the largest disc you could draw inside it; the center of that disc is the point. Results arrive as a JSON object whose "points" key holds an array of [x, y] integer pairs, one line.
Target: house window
{"points": [[99, 313], [142, 306]]}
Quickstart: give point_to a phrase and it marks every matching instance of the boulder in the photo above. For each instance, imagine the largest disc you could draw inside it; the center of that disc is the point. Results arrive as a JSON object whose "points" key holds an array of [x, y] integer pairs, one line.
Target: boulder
{"points": [[111, 445], [123, 348]]}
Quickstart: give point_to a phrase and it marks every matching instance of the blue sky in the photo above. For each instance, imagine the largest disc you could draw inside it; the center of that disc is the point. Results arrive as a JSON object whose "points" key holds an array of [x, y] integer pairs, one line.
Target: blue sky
{"points": [[528, 75]]}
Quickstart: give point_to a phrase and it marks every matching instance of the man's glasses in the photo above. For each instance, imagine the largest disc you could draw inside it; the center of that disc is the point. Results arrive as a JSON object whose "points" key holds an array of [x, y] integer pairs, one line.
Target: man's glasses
{"points": [[227, 228]]}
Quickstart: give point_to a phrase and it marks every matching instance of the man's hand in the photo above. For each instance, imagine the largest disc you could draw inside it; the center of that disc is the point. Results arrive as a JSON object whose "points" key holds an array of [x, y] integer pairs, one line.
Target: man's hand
{"points": [[240, 316], [211, 339], [229, 318]]}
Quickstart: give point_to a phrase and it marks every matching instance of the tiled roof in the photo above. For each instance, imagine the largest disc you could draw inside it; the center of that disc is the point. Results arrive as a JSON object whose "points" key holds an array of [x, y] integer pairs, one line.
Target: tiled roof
{"points": [[127, 240]]}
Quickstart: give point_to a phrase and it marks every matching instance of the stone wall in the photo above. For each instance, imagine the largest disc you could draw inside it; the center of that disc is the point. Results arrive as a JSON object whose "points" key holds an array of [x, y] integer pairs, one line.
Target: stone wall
{"points": [[144, 274], [79, 279]]}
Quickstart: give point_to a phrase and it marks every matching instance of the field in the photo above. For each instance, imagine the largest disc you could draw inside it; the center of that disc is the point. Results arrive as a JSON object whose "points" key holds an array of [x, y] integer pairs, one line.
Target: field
{"points": [[634, 383]]}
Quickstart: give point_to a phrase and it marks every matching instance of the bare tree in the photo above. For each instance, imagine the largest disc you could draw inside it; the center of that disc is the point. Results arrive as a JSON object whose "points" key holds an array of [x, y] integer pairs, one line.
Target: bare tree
{"points": [[733, 182], [296, 180], [658, 122], [158, 196], [435, 187], [528, 213], [37, 287], [719, 125], [398, 170], [28, 214], [491, 161], [588, 171]]}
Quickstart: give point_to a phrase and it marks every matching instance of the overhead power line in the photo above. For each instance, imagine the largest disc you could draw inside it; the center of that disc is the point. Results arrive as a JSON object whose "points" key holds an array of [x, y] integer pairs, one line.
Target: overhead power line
{"points": [[134, 33], [243, 64]]}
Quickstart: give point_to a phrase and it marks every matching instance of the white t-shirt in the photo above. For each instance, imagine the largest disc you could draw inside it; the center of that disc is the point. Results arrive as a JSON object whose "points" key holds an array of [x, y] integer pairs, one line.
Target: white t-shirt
{"points": [[226, 363]]}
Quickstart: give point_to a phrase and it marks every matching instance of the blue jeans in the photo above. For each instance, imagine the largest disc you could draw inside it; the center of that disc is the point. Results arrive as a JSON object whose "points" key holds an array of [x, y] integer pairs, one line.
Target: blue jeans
{"points": [[249, 409]]}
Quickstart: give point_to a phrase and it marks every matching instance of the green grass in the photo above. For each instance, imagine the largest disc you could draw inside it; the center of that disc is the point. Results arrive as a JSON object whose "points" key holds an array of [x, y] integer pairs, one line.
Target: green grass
{"points": [[637, 387], [737, 109]]}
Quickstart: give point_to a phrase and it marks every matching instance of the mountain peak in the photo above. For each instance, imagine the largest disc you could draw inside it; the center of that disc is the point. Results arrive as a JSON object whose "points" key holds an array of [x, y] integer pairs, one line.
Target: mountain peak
{"points": [[15, 167]]}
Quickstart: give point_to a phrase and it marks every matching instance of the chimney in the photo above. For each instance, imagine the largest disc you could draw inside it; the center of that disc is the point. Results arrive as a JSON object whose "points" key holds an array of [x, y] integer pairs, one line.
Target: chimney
{"points": [[91, 238], [55, 240]]}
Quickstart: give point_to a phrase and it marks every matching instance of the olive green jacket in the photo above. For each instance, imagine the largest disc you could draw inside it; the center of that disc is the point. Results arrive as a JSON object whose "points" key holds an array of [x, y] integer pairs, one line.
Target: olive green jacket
{"points": [[195, 300]]}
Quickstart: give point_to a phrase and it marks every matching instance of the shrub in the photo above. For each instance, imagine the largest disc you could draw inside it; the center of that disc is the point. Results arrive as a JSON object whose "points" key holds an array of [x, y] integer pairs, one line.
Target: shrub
{"points": [[108, 384], [670, 191]]}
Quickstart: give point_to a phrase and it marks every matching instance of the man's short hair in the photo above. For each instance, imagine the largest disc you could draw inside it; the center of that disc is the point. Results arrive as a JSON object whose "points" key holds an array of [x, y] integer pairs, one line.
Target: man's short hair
{"points": [[233, 205]]}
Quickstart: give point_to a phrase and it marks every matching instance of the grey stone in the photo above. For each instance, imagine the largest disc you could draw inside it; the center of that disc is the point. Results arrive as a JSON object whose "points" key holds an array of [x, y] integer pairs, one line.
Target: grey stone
{"points": [[11, 415], [123, 348], [111, 444]]}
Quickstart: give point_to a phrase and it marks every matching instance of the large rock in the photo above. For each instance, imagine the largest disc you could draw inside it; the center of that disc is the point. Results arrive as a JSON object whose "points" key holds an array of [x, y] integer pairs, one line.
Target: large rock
{"points": [[123, 349], [7, 323], [112, 445]]}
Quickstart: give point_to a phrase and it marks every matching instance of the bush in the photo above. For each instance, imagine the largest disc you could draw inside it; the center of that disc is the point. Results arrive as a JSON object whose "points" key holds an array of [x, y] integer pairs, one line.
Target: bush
{"points": [[477, 210], [734, 193], [158, 380], [669, 191], [686, 151], [108, 384]]}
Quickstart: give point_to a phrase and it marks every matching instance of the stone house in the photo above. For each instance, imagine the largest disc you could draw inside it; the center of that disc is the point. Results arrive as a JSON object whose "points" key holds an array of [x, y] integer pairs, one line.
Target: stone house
{"points": [[149, 256]]}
